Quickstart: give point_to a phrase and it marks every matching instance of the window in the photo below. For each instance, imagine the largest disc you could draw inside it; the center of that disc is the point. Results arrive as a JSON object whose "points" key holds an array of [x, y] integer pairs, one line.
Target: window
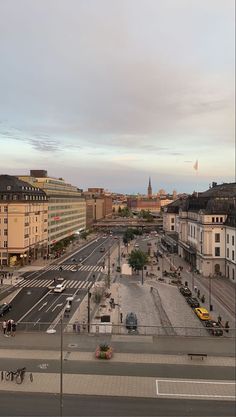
{"points": [[5, 232], [172, 227], [217, 219], [5, 209], [227, 253], [232, 255], [217, 237], [172, 220], [5, 220], [5, 244], [213, 219], [217, 251], [221, 219], [232, 273], [227, 238], [232, 240]]}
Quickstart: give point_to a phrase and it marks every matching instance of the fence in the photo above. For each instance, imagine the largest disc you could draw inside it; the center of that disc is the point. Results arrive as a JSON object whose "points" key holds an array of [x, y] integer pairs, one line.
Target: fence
{"points": [[109, 328]]}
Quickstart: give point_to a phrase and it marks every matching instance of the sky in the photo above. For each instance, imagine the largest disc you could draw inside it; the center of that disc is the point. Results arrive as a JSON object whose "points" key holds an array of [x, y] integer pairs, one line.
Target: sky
{"points": [[106, 93]]}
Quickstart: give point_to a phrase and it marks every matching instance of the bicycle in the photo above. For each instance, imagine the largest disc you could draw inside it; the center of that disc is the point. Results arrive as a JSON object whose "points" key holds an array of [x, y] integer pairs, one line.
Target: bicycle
{"points": [[19, 375]]}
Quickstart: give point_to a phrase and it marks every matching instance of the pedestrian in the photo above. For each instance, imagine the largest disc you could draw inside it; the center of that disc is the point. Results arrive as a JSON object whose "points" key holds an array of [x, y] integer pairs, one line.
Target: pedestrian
{"points": [[198, 293], [8, 327], [121, 317], [4, 327], [195, 288], [13, 328], [1, 281], [84, 325], [227, 327], [219, 319]]}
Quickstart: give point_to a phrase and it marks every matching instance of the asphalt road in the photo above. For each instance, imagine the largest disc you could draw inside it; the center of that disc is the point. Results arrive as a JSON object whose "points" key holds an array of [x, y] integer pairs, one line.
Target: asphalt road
{"points": [[76, 405], [38, 305], [122, 369]]}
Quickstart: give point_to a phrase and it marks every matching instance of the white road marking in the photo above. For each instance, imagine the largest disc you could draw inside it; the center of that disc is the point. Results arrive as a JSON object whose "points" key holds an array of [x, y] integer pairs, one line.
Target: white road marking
{"points": [[36, 322], [58, 305], [43, 305]]}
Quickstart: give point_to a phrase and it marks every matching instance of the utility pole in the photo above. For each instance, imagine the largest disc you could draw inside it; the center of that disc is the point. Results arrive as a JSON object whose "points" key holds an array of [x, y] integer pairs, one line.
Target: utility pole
{"points": [[89, 296], [119, 252], [109, 269], [210, 305], [61, 369]]}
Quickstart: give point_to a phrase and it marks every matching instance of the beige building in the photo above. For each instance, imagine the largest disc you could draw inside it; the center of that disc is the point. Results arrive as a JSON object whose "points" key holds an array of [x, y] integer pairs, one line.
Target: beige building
{"points": [[98, 205], [206, 229], [23, 221], [66, 206]]}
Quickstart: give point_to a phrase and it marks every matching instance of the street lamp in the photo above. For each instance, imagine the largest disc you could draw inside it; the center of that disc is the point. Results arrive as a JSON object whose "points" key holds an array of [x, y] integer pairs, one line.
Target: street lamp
{"points": [[23, 256], [210, 305]]}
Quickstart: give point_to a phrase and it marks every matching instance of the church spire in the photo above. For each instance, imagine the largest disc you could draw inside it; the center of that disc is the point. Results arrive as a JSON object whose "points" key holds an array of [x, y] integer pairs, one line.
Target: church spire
{"points": [[149, 188]]}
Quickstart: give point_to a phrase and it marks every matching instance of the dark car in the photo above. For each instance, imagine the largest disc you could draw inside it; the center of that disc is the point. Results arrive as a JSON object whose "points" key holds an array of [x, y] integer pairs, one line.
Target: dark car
{"points": [[193, 302], [185, 291], [4, 308], [213, 328], [131, 321]]}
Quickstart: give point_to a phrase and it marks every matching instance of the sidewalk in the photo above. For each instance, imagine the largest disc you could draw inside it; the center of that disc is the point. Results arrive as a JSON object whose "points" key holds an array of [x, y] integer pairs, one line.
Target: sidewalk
{"points": [[124, 386]]}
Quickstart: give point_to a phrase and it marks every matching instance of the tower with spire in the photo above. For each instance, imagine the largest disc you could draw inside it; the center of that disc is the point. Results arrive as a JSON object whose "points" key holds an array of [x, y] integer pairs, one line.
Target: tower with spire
{"points": [[149, 188]]}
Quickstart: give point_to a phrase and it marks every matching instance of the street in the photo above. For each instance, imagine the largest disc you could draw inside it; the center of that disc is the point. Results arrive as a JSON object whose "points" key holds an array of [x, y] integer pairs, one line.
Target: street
{"points": [[83, 405]]}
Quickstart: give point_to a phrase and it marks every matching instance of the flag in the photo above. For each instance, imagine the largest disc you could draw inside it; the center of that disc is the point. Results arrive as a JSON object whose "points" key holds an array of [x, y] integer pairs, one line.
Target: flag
{"points": [[195, 166]]}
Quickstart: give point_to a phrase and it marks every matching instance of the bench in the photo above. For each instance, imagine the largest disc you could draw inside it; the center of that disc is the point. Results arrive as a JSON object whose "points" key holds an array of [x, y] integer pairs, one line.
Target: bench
{"points": [[202, 355]]}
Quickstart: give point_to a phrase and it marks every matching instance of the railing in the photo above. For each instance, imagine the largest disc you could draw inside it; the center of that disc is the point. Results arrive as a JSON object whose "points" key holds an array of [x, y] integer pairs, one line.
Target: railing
{"points": [[120, 329]]}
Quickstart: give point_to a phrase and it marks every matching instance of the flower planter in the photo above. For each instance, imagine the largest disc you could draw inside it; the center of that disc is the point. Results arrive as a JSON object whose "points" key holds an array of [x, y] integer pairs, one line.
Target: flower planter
{"points": [[103, 354]]}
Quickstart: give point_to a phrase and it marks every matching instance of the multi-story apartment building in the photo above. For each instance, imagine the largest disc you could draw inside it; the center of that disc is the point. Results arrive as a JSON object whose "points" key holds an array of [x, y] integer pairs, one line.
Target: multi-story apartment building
{"points": [[66, 206], [23, 221], [205, 225]]}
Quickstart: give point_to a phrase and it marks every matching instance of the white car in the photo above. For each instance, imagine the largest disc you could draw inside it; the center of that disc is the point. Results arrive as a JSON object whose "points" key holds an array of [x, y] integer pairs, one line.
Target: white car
{"points": [[60, 288]]}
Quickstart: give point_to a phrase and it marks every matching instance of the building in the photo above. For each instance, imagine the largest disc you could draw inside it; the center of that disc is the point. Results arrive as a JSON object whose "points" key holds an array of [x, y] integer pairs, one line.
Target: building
{"points": [[23, 221], [66, 206], [205, 225], [98, 205]]}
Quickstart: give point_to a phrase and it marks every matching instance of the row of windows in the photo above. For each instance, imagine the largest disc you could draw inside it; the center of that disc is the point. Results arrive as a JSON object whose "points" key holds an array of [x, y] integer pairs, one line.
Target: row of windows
{"points": [[232, 240], [227, 254], [21, 197], [217, 219], [5, 221]]}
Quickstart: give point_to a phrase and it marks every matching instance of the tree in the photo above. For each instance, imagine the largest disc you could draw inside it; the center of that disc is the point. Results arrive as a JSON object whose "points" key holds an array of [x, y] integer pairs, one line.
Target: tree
{"points": [[146, 215], [128, 236], [137, 260]]}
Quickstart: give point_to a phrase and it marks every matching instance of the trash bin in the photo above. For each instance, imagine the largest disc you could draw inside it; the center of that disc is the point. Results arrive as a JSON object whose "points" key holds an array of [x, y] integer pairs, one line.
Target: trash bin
{"points": [[186, 283]]}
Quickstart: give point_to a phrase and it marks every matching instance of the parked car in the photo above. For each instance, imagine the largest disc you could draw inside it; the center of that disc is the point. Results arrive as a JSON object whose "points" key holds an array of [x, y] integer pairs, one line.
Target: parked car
{"points": [[185, 291], [202, 313], [131, 321], [213, 327], [60, 288], [193, 302], [4, 308]]}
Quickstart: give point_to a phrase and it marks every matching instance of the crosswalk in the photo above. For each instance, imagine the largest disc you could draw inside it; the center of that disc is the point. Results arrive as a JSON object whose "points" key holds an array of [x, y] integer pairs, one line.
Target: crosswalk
{"points": [[35, 282], [69, 267]]}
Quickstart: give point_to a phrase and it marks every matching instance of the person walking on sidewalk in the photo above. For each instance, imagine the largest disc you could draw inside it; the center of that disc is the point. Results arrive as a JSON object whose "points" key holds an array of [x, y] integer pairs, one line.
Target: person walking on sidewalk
{"points": [[4, 327], [13, 328], [9, 324]]}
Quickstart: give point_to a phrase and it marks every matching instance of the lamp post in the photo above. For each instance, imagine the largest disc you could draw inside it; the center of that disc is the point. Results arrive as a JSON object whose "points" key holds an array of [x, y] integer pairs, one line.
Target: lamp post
{"points": [[53, 331], [23, 256], [210, 283], [192, 280]]}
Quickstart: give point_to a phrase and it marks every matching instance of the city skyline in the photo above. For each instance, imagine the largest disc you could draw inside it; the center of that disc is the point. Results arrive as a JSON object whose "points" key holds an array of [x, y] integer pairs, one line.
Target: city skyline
{"points": [[109, 93]]}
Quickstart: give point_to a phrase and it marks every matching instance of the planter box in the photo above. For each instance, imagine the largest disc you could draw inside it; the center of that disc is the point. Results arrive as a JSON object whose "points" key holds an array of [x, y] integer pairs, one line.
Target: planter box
{"points": [[101, 354]]}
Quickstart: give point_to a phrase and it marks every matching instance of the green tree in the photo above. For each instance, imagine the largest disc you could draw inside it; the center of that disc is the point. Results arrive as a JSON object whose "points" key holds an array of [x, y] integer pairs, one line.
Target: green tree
{"points": [[146, 215], [128, 236], [137, 260]]}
